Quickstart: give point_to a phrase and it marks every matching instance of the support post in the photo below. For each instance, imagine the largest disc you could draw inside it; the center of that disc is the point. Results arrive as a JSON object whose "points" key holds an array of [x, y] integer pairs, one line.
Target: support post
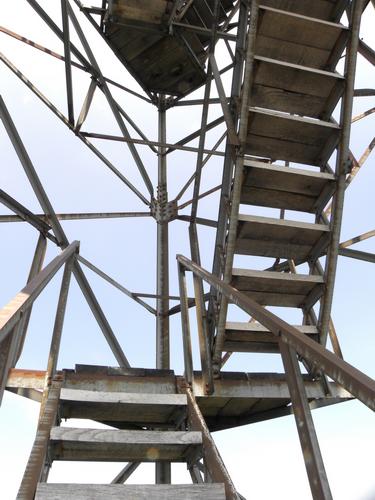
{"points": [[305, 425], [162, 470], [162, 265]]}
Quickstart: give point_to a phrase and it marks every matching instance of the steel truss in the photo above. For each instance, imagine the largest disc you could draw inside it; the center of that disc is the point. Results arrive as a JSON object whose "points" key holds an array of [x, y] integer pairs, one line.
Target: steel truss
{"points": [[237, 36]]}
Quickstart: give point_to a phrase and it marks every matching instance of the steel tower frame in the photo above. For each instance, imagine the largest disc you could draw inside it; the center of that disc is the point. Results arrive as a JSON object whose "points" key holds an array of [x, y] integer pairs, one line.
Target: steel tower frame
{"points": [[236, 35]]}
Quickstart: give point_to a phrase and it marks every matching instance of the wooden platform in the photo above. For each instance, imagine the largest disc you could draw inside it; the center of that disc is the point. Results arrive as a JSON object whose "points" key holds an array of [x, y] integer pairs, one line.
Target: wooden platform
{"points": [[48, 491], [239, 397], [287, 188], [269, 237], [161, 59]]}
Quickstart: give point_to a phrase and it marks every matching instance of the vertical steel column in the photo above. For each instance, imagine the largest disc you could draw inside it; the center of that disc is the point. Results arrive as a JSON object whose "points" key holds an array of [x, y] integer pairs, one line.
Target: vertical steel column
{"points": [[162, 470], [162, 269]]}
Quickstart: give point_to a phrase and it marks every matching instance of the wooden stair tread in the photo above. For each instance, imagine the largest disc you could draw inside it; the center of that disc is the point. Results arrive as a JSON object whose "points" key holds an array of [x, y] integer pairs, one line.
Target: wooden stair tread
{"points": [[299, 39], [295, 89], [69, 443], [276, 186], [253, 337], [139, 408], [251, 328], [291, 138], [58, 491], [329, 10], [270, 237], [278, 289]]}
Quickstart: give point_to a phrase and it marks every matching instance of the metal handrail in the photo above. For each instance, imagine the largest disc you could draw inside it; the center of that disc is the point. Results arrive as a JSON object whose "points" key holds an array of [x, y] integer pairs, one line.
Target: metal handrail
{"points": [[353, 380]]}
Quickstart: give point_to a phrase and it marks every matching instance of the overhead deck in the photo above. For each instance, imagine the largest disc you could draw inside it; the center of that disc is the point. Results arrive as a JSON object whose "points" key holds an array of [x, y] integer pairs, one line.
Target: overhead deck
{"points": [[161, 56]]}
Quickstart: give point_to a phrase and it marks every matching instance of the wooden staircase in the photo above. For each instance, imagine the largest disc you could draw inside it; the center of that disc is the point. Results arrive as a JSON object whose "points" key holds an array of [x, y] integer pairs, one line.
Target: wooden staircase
{"points": [[291, 135], [143, 427]]}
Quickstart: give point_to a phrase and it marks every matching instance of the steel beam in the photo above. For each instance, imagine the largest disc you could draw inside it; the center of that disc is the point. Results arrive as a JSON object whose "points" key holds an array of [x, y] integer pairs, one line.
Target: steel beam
{"points": [[68, 62], [36, 266], [116, 284], [162, 263], [305, 426]]}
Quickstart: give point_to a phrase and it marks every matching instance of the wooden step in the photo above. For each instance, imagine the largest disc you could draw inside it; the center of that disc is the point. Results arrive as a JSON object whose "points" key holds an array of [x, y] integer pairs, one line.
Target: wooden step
{"points": [[57, 491], [140, 408], [269, 237], [299, 39], [69, 443], [253, 337], [290, 138], [278, 289], [295, 89], [329, 10], [287, 188]]}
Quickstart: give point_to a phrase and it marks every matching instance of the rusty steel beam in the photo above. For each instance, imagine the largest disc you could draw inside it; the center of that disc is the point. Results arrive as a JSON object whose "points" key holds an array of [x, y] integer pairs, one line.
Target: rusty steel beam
{"points": [[305, 426]]}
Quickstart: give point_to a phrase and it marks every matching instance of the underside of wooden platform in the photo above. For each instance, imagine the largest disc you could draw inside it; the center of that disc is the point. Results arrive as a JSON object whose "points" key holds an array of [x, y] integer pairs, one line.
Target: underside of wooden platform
{"points": [[240, 398]]}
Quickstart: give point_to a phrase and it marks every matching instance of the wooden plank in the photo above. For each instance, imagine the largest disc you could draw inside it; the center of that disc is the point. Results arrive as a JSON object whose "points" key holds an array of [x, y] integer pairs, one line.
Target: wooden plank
{"points": [[298, 39], [244, 329], [269, 237], [68, 443], [289, 179], [213, 491], [295, 89], [278, 289], [285, 187], [251, 337], [290, 138], [329, 10], [100, 397], [147, 11], [121, 407], [143, 381]]}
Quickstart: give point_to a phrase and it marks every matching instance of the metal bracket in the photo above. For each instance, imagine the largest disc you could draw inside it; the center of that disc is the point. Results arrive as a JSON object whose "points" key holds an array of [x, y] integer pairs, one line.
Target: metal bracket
{"points": [[163, 210]]}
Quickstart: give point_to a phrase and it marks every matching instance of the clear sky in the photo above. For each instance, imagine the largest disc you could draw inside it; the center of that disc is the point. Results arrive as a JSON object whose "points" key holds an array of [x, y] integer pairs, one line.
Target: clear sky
{"points": [[263, 459]]}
